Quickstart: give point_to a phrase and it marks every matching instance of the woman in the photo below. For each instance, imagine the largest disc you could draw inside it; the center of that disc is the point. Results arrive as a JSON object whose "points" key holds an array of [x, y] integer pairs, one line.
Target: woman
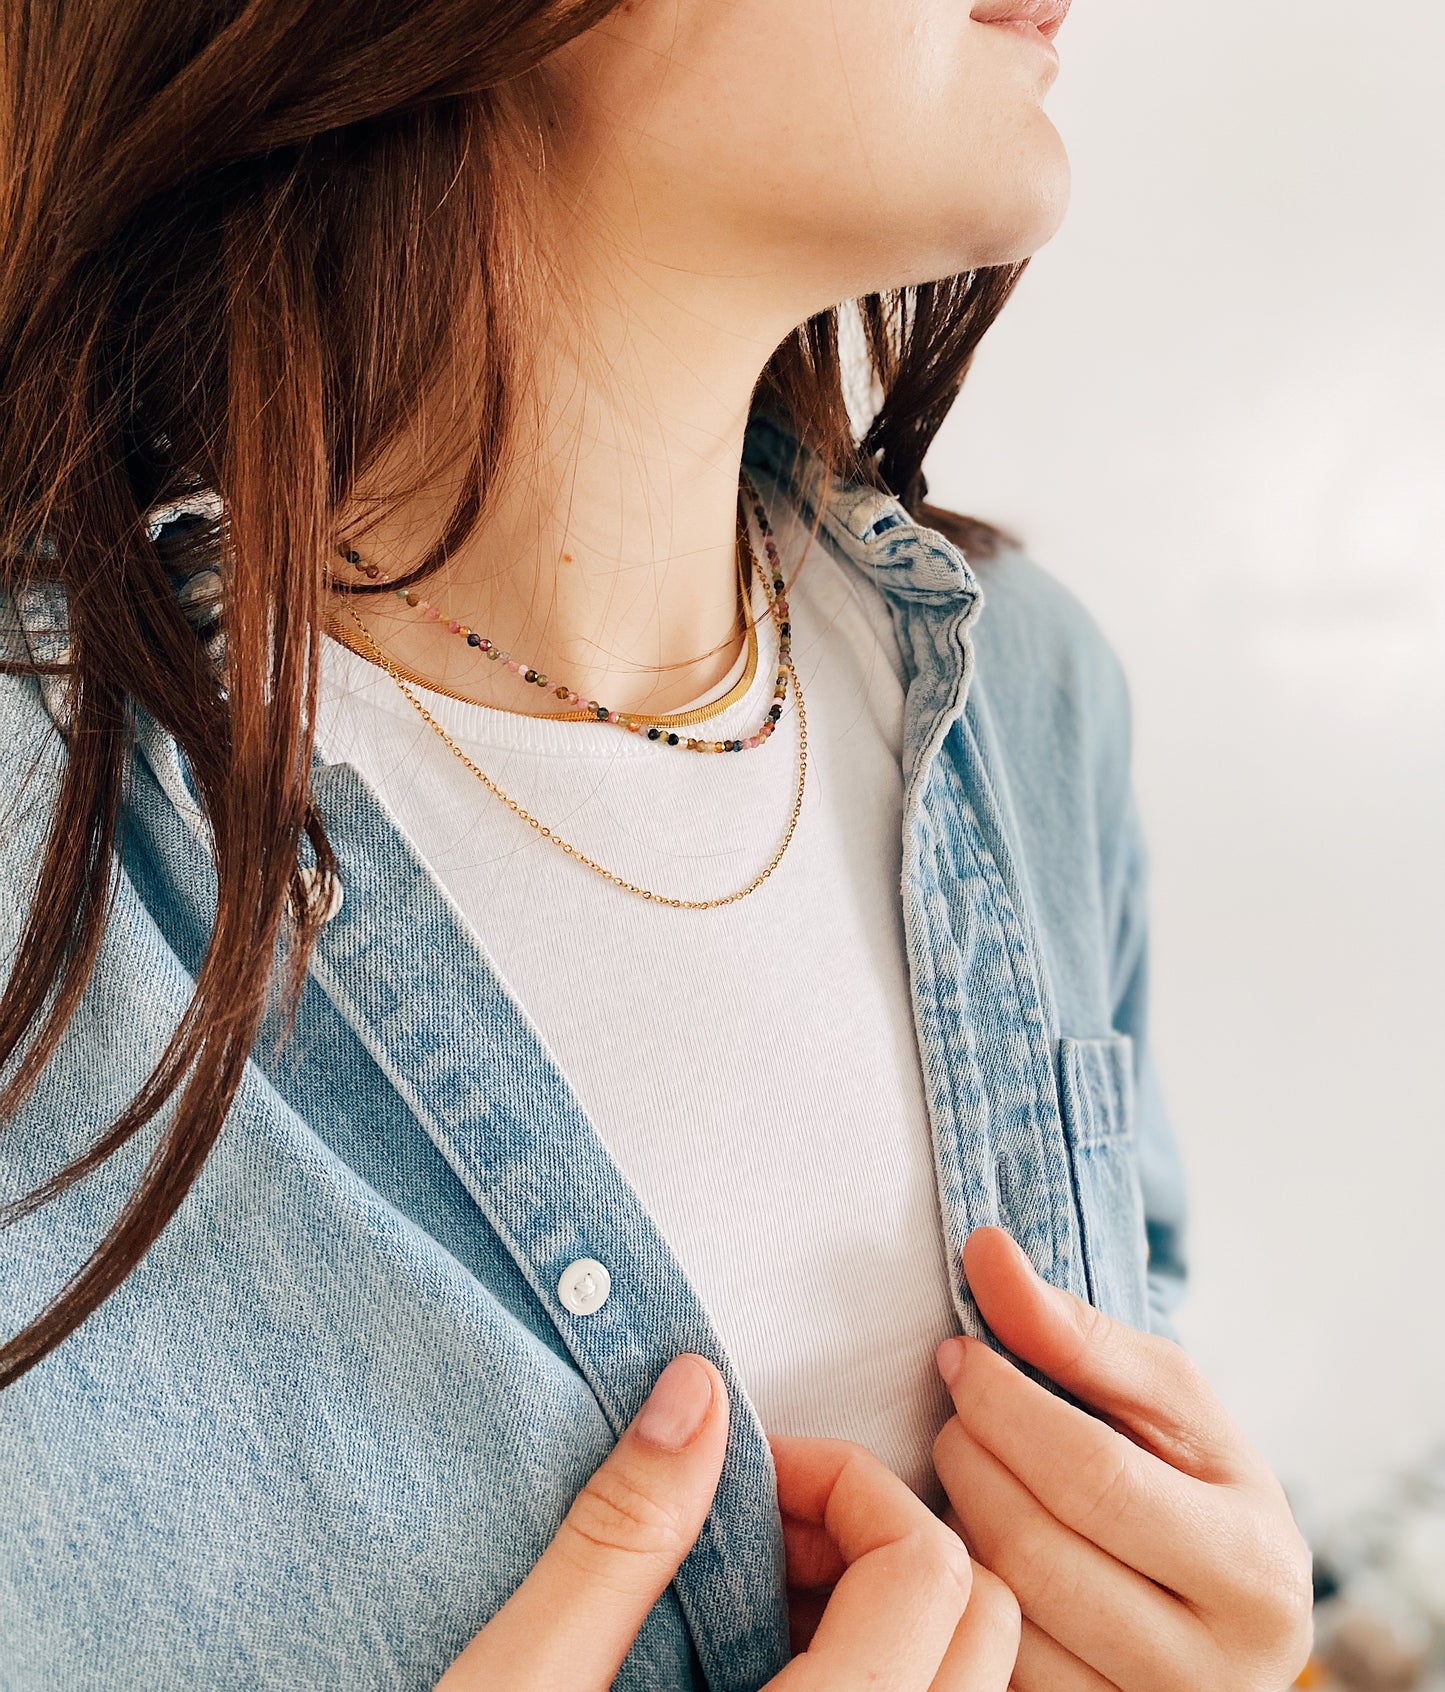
{"points": [[424, 430]]}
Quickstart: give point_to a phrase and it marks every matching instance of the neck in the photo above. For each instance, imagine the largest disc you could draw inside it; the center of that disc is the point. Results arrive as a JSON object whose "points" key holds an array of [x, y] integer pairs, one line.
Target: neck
{"points": [[607, 555]]}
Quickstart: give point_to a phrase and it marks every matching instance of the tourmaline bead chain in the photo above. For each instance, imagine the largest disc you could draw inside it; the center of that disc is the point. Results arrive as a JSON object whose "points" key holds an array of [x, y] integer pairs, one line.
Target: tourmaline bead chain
{"points": [[633, 722]]}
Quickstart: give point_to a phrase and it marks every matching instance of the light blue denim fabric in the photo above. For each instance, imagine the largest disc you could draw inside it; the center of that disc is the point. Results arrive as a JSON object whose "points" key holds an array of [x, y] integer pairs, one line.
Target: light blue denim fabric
{"points": [[330, 1423]]}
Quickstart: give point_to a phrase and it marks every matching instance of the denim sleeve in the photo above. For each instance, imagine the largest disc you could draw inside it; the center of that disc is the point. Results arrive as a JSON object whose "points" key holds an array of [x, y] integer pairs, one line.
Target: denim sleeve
{"points": [[1161, 1168]]}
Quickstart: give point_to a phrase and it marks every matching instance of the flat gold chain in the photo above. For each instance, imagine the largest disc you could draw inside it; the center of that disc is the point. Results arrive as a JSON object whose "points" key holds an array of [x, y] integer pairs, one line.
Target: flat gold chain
{"points": [[572, 851]]}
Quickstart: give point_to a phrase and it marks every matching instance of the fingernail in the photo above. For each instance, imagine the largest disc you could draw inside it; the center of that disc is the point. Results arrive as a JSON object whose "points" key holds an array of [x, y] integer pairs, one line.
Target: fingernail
{"points": [[949, 1358], [677, 1406]]}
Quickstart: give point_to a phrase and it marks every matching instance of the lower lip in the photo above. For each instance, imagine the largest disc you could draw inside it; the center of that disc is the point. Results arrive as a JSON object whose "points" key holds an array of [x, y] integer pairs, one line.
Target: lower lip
{"points": [[1031, 31]]}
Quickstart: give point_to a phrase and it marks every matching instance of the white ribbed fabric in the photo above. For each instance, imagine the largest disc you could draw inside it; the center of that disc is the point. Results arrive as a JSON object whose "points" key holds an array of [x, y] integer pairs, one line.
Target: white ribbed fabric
{"points": [[752, 1069]]}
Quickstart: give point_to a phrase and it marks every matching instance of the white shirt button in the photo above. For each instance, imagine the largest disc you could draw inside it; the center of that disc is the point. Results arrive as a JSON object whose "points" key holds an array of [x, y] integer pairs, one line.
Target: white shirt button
{"points": [[325, 891], [584, 1286]]}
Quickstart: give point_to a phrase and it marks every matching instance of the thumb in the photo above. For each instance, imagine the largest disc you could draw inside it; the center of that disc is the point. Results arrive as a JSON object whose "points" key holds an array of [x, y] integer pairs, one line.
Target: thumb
{"points": [[1143, 1385], [574, 1618], [1046, 1326]]}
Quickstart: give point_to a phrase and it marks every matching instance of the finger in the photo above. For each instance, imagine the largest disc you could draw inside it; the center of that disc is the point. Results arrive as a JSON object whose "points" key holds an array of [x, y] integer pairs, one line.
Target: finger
{"points": [[1147, 1382], [1110, 1616], [574, 1618], [981, 1654], [1127, 1501], [1045, 1666], [985, 1643], [906, 1578]]}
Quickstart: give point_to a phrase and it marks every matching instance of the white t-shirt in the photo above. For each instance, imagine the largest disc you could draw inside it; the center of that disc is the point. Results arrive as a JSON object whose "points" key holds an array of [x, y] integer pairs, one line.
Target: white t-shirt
{"points": [[753, 1069]]}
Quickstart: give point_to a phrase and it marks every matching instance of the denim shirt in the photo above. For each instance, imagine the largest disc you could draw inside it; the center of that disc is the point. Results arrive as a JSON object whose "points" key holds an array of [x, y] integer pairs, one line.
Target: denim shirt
{"points": [[329, 1424]]}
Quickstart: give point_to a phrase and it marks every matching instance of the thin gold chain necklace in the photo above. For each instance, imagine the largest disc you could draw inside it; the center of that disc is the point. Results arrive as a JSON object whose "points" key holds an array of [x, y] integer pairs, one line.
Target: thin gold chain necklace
{"points": [[547, 834]]}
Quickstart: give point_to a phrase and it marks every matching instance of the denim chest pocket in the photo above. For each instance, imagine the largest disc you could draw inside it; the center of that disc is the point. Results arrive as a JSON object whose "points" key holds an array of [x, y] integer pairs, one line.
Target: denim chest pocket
{"points": [[1097, 1098]]}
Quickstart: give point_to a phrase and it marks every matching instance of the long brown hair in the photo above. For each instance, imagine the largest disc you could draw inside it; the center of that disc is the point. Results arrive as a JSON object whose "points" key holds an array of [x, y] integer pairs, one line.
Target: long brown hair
{"points": [[239, 238]]}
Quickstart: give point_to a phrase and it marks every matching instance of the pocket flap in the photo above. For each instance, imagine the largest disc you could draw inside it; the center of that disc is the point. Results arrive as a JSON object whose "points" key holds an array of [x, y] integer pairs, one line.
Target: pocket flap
{"points": [[1098, 1079]]}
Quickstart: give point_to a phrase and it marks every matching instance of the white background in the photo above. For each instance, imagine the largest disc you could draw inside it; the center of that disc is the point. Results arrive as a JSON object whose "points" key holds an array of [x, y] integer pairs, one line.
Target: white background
{"points": [[1216, 407]]}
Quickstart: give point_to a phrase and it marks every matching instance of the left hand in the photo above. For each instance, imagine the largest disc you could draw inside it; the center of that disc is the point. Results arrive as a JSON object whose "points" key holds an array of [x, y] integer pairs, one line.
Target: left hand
{"points": [[1151, 1548]]}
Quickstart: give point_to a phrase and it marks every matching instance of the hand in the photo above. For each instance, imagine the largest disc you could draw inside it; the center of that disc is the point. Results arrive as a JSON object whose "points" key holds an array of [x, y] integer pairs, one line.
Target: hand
{"points": [[1152, 1550], [873, 1588], [903, 1578]]}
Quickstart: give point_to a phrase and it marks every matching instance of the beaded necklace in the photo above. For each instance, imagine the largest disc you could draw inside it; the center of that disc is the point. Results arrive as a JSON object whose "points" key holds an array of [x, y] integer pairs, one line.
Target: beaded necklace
{"points": [[635, 722], [669, 719], [632, 722]]}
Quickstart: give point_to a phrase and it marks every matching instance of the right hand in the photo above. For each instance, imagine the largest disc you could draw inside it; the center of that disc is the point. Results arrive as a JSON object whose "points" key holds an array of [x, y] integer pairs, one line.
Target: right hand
{"points": [[909, 1611]]}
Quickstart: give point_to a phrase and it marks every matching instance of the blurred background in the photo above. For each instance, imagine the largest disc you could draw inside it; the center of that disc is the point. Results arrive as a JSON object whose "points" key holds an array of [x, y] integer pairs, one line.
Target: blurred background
{"points": [[1216, 408]]}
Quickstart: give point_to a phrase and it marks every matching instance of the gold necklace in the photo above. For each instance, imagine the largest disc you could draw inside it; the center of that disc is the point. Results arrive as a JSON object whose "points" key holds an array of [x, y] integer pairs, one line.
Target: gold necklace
{"points": [[674, 719], [631, 887]]}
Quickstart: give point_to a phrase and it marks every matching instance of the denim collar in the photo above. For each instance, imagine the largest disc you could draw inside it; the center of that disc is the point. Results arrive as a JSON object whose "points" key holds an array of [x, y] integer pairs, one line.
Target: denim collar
{"points": [[869, 527]]}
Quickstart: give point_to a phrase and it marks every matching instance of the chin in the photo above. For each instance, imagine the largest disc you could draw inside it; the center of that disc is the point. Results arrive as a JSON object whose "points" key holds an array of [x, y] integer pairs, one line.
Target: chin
{"points": [[981, 246], [1014, 206], [1010, 248], [1021, 220]]}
